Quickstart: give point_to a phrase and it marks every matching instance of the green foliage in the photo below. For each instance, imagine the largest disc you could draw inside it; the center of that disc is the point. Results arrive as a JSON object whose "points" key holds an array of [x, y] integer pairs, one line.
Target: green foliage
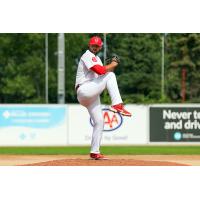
{"points": [[22, 75], [183, 52], [75, 45], [22, 66], [139, 72]]}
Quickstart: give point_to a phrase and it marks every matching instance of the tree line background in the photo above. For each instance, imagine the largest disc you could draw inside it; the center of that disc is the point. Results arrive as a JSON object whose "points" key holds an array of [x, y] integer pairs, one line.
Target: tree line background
{"points": [[22, 66]]}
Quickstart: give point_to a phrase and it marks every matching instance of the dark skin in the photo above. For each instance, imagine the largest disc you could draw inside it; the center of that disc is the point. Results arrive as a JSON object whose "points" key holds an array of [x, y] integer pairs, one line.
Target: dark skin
{"points": [[95, 49]]}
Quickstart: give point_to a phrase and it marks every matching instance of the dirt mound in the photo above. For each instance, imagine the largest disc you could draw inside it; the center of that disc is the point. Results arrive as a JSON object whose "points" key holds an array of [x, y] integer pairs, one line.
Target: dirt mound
{"points": [[112, 162]]}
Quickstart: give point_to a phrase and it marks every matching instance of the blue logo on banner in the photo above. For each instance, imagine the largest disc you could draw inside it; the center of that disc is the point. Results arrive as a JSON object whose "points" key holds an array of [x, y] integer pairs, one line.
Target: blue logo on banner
{"points": [[177, 136], [31, 116], [22, 136]]}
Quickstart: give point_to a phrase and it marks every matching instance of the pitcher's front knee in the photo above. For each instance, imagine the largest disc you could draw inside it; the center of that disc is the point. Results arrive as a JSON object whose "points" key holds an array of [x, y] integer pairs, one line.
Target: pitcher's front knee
{"points": [[111, 74]]}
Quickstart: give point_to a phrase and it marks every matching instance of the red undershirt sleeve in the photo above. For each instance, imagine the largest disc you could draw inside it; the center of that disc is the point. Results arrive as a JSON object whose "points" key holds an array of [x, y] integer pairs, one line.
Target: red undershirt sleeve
{"points": [[98, 69]]}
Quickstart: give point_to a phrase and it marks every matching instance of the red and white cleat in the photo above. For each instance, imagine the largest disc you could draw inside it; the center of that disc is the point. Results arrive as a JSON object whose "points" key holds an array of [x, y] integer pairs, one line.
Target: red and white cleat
{"points": [[97, 156], [120, 109]]}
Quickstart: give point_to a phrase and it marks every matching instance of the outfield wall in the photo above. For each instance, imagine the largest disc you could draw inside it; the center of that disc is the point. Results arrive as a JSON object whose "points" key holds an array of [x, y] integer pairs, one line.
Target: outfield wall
{"points": [[62, 125]]}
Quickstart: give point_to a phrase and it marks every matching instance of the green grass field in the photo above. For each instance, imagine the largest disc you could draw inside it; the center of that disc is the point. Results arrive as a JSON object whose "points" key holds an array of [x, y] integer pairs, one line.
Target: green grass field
{"points": [[110, 150]]}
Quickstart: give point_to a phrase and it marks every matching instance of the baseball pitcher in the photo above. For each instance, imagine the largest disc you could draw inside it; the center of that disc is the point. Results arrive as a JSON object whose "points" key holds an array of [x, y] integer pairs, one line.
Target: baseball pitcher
{"points": [[92, 79]]}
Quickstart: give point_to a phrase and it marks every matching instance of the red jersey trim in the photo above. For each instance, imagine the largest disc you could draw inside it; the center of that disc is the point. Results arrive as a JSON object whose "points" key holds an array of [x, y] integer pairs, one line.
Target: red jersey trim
{"points": [[98, 69]]}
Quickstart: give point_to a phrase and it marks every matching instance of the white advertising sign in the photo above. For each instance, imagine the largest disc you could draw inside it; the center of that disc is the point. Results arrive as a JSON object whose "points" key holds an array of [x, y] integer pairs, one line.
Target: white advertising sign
{"points": [[117, 129], [24, 125]]}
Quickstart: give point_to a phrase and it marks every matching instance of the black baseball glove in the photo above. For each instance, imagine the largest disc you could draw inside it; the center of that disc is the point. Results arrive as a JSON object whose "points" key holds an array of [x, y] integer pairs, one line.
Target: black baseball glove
{"points": [[114, 58]]}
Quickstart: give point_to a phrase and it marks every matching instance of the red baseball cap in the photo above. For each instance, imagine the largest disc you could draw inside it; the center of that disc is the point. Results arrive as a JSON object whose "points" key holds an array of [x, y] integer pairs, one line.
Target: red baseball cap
{"points": [[96, 41]]}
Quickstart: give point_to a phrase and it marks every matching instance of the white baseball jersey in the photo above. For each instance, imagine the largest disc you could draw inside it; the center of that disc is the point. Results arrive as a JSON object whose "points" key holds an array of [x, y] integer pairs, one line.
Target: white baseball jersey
{"points": [[84, 73]]}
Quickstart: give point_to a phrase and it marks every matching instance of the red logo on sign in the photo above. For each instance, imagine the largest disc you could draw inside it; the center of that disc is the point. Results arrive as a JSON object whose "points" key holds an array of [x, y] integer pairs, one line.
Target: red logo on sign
{"points": [[112, 121], [94, 59]]}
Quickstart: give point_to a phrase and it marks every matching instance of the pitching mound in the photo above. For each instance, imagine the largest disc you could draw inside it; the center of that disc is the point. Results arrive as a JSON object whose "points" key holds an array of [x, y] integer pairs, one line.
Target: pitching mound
{"points": [[111, 162], [114, 160]]}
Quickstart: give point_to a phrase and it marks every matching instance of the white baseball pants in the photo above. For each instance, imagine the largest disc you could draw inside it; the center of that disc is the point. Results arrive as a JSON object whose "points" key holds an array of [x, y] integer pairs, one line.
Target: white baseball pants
{"points": [[88, 95]]}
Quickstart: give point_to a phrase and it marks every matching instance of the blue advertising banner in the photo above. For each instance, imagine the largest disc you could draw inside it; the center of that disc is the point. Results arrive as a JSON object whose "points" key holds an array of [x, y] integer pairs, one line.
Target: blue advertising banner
{"points": [[33, 125], [32, 117]]}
